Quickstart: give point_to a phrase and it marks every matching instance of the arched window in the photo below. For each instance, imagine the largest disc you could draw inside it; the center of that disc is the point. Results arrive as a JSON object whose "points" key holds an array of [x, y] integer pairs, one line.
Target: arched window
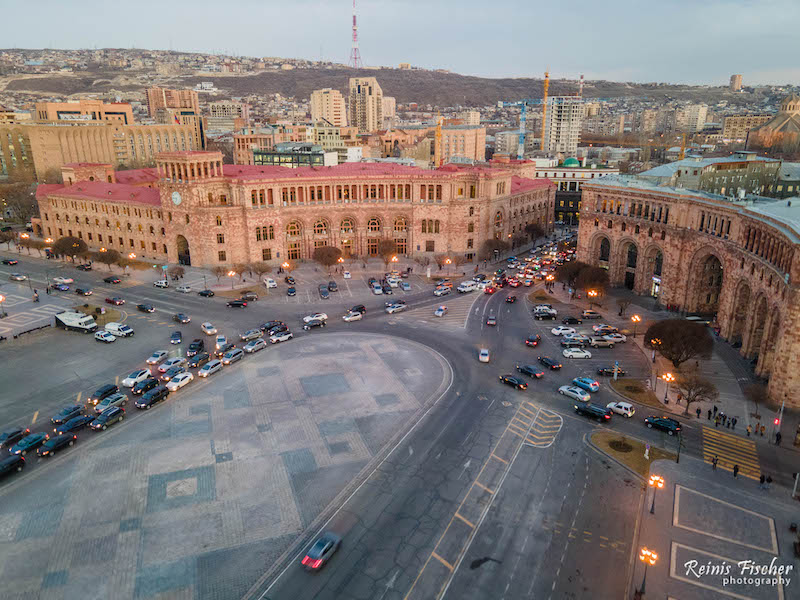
{"points": [[424, 226], [374, 225], [650, 232], [210, 196], [346, 227], [271, 232], [471, 211], [152, 230], [321, 227], [605, 249], [187, 219], [498, 219], [436, 226], [219, 221], [400, 225], [293, 229], [163, 231]]}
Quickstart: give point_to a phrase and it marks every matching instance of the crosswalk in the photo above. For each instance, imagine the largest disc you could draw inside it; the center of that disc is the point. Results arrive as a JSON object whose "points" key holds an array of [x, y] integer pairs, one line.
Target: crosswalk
{"points": [[458, 310], [731, 450]]}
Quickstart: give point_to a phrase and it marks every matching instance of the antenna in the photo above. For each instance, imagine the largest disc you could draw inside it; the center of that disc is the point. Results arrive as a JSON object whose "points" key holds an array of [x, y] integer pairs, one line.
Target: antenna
{"points": [[580, 92], [355, 55]]}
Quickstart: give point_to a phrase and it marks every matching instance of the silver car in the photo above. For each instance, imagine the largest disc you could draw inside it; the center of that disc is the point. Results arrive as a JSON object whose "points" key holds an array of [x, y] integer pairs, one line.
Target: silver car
{"points": [[232, 356], [252, 334], [575, 393], [112, 400], [255, 345], [280, 337], [210, 368]]}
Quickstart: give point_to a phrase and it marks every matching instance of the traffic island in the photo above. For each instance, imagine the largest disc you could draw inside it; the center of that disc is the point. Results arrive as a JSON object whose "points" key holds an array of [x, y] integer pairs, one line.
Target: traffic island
{"points": [[101, 314], [636, 391], [630, 452]]}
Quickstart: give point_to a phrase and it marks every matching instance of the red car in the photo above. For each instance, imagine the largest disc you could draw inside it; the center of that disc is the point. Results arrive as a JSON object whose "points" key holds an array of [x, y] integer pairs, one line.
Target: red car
{"points": [[490, 290], [115, 301], [511, 299]]}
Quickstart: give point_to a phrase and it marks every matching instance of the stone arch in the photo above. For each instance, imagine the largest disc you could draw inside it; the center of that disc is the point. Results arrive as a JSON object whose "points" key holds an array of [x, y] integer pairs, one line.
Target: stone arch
{"points": [[347, 227], [652, 270], [767, 355], [704, 284], [757, 327], [374, 225], [321, 227], [741, 304], [601, 250], [183, 251], [294, 228], [625, 263]]}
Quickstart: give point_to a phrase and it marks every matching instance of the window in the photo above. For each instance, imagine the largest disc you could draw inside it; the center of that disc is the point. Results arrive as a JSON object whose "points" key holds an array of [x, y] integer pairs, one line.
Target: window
{"points": [[258, 234], [472, 191], [346, 227], [424, 226], [223, 199], [400, 225], [470, 227], [219, 221], [321, 227], [266, 254], [436, 226], [221, 256], [293, 229], [498, 219], [271, 233], [471, 211], [469, 243], [220, 238], [374, 225], [429, 246]]}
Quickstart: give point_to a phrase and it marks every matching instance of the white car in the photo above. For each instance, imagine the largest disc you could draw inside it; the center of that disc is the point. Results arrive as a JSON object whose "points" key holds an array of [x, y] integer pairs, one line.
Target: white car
{"points": [[135, 377], [104, 336], [183, 289], [617, 338], [17, 277], [625, 409], [483, 355], [64, 280], [281, 336], [175, 361], [315, 317], [377, 289], [180, 380], [255, 345], [482, 285], [208, 328], [161, 283], [562, 330], [440, 311], [353, 316], [576, 353], [392, 282], [210, 368], [347, 275], [269, 282], [393, 308], [575, 393], [441, 291], [156, 357], [220, 341]]}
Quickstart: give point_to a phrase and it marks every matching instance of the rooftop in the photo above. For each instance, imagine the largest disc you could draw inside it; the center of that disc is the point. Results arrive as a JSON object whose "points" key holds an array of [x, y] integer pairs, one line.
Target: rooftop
{"points": [[669, 169], [109, 192], [137, 176], [523, 184]]}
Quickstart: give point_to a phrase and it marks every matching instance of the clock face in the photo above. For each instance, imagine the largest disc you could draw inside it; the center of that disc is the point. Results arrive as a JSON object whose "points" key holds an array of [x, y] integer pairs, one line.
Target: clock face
{"points": [[176, 198]]}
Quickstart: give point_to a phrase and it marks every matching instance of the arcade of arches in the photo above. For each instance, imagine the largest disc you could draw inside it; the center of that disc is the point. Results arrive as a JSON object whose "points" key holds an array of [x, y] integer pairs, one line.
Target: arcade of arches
{"points": [[747, 289]]}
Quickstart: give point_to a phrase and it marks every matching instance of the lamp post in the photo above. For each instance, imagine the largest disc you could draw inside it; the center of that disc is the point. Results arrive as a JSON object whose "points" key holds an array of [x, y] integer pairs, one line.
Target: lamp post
{"points": [[231, 274], [648, 557], [447, 261], [636, 320], [655, 342], [667, 377], [656, 482], [131, 256], [286, 266], [2, 308], [550, 281], [592, 295]]}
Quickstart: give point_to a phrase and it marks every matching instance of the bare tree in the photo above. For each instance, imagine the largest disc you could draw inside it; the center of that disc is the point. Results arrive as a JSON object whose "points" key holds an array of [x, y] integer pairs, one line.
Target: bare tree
{"points": [[568, 272], [6, 237], [387, 250], [695, 388], [623, 304], [489, 246], [219, 271], [176, 271], [109, 257], [757, 394], [260, 268], [592, 278], [327, 256], [240, 269], [534, 230], [70, 246], [679, 340]]}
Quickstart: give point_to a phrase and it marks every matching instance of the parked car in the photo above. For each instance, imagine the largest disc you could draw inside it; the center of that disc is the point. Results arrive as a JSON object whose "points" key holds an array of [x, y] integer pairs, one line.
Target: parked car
{"points": [[291, 291], [289, 280], [625, 409], [107, 418], [610, 371], [323, 291], [280, 336], [255, 345], [671, 426], [250, 334], [593, 411], [104, 336], [210, 368], [600, 342], [171, 362], [562, 329], [198, 360], [530, 370], [332, 287], [591, 314], [170, 373], [576, 353], [616, 338]]}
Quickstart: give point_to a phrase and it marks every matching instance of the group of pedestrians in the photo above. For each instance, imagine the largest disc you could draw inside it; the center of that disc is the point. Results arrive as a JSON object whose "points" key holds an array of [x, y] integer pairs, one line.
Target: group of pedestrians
{"points": [[720, 418]]}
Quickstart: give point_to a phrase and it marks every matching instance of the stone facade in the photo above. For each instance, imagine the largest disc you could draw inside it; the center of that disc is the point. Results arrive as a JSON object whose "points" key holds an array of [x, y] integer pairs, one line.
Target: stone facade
{"points": [[194, 209], [704, 254]]}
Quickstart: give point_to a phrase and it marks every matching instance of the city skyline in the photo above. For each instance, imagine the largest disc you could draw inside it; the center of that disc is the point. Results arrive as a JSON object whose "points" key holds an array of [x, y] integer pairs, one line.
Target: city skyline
{"points": [[692, 50]]}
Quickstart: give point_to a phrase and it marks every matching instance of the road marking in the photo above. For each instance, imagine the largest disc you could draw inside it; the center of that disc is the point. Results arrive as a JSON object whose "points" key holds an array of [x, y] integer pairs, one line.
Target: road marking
{"points": [[465, 520], [500, 459], [483, 487], [78, 398], [35, 416], [441, 560]]}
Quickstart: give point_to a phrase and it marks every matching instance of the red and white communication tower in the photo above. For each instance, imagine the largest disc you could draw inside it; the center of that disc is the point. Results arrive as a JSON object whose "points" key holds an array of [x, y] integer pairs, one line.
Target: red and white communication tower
{"points": [[355, 55]]}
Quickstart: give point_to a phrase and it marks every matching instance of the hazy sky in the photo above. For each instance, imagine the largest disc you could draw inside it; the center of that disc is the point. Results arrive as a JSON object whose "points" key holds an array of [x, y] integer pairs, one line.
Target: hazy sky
{"points": [[691, 41]]}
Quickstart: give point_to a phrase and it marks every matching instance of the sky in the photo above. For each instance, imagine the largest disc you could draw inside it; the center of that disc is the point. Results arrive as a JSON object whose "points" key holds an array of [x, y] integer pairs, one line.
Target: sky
{"points": [[674, 41]]}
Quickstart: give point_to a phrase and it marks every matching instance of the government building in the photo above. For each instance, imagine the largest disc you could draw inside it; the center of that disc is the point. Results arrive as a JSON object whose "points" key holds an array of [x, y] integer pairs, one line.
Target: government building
{"points": [[192, 209], [729, 258]]}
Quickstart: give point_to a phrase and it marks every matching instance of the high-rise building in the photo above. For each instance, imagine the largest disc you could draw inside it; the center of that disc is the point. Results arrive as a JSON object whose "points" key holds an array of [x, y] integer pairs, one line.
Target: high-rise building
{"points": [[470, 117], [227, 115], [736, 127], [736, 83], [644, 121], [366, 104], [329, 105], [158, 98], [562, 129], [506, 142], [691, 118], [83, 110]]}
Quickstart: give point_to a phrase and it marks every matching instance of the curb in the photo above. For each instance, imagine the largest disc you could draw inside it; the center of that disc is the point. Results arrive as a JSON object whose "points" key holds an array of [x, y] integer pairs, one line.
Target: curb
{"points": [[587, 439]]}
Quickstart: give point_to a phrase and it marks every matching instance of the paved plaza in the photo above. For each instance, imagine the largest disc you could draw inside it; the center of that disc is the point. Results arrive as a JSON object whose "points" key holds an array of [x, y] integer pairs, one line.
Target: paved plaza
{"points": [[201, 495]]}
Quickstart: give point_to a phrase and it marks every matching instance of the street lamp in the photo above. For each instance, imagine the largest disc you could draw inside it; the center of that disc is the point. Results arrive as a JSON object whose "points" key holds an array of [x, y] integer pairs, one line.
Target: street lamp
{"points": [[592, 295], [636, 320], [2, 308], [447, 261], [667, 377], [231, 274], [131, 255], [286, 266], [656, 482], [655, 343], [394, 259], [48, 241], [648, 557]]}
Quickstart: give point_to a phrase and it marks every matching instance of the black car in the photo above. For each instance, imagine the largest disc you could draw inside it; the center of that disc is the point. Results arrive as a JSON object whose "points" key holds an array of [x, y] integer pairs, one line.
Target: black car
{"points": [[57, 443], [102, 393], [531, 370], [548, 362], [171, 372], [533, 340], [10, 261], [237, 304], [671, 426], [66, 414], [12, 436], [543, 316], [313, 323], [74, 424], [610, 371], [387, 289], [112, 279], [205, 293], [153, 397], [511, 299], [359, 308], [332, 287], [249, 296], [291, 292], [83, 291], [11, 464], [289, 279], [593, 411], [144, 386], [28, 443], [371, 281], [479, 277], [571, 321], [148, 308], [108, 417], [176, 337], [270, 324], [514, 382], [198, 360], [220, 351], [323, 291], [84, 267], [181, 318], [195, 347], [573, 343], [279, 328]]}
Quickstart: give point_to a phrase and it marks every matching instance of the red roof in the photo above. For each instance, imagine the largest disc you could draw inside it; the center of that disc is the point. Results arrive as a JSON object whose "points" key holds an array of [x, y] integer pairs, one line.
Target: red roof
{"points": [[45, 189], [345, 169], [523, 184], [86, 164], [110, 192], [137, 176]]}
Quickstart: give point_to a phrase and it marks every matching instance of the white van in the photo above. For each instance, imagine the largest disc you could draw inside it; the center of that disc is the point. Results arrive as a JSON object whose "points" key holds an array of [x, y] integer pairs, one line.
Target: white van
{"points": [[161, 283], [269, 282], [119, 329], [467, 286]]}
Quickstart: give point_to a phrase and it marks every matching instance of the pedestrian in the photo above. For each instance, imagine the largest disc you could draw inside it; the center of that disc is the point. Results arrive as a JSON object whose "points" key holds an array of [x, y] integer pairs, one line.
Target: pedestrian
{"points": [[727, 422], [769, 481], [735, 471], [709, 414], [748, 431], [733, 423], [762, 430], [758, 426], [716, 421], [714, 462], [761, 481], [778, 437], [47, 290], [715, 410], [698, 411]]}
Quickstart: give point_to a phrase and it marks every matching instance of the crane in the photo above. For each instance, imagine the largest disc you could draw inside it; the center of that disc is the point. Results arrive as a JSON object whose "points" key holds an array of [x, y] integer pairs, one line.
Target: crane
{"points": [[522, 104], [544, 104]]}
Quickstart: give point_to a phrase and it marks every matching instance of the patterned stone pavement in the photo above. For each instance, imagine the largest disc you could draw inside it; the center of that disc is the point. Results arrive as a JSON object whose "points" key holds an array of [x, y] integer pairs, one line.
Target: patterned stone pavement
{"points": [[196, 498]]}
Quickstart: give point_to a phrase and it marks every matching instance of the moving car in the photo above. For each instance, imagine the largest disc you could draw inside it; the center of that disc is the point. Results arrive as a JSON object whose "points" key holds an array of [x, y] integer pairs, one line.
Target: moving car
{"points": [[220, 352], [74, 424], [11, 464], [161, 283], [195, 347], [249, 295], [513, 381], [393, 308], [291, 292], [232, 356], [181, 318], [405, 286], [117, 399], [61, 287], [206, 293], [104, 336], [359, 308], [198, 360], [352, 316], [63, 280], [625, 409], [575, 393], [209, 368], [54, 444], [107, 418], [83, 291], [549, 363], [671, 426], [12, 436], [562, 329], [289, 280], [175, 361], [170, 373], [65, 414], [315, 316], [491, 320], [440, 311], [116, 301], [10, 261], [347, 275], [541, 315], [313, 323], [148, 308], [490, 289], [28, 443], [220, 341], [250, 334], [144, 386], [483, 355], [156, 357], [153, 397], [591, 314], [593, 411], [237, 304], [183, 289], [102, 393], [586, 383], [511, 299], [179, 381], [17, 277], [280, 336], [576, 353], [84, 267], [112, 279], [208, 328], [533, 340], [176, 337], [321, 552], [573, 342], [610, 371], [255, 345], [571, 321], [441, 291], [377, 289], [530, 370], [604, 329]]}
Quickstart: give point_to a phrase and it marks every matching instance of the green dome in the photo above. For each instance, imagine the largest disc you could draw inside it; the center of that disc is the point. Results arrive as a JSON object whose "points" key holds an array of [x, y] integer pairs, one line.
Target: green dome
{"points": [[572, 162]]}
